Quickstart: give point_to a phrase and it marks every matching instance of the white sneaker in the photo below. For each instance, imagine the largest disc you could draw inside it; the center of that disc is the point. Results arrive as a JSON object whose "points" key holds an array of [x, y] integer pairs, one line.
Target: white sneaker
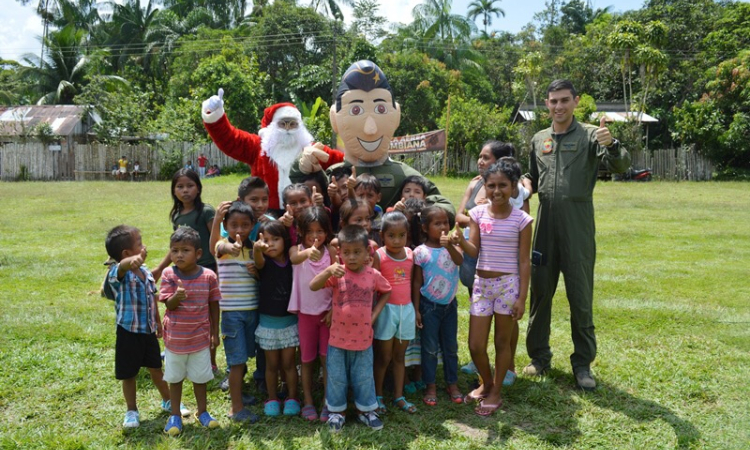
{"points": [[132, 419]]}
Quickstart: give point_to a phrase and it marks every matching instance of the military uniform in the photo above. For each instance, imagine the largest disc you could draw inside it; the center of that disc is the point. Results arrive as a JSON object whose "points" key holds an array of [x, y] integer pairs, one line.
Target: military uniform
{"points": [[563, 170]]}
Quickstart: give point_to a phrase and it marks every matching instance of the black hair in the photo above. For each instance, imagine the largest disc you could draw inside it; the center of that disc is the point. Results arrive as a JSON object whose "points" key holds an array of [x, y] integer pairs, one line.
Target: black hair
{"points": [[187, 235], [296, 187], [363, 75], [319, 177], [238, 207], [312, 215], [276, 228], [419, 180], [560, 85], [426, 215], [348, 207], [500, 149], [341, 171], [414, 207], [177, 205], [119, 239], [353, 234], [369, 182], [393, 219], [507, 166], [250, 184]]}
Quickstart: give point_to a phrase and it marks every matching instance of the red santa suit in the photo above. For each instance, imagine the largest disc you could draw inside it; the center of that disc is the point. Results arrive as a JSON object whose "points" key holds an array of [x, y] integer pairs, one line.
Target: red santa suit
{"points": [[253, 150]]}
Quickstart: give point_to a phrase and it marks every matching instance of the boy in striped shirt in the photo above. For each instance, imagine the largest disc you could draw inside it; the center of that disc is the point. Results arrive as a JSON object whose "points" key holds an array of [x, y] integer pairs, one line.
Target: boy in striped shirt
{"points": [[191, 325]]}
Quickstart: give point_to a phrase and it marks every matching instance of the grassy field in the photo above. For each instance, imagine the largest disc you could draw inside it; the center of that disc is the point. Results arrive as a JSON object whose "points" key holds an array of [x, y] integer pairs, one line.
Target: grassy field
{"points": [[671, 309]]}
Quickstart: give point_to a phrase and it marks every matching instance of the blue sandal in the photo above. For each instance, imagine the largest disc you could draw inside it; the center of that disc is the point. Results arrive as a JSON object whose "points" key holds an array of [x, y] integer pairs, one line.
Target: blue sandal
{"points": [[291, 407], [381, 406], [272, 408], [406, 407]]}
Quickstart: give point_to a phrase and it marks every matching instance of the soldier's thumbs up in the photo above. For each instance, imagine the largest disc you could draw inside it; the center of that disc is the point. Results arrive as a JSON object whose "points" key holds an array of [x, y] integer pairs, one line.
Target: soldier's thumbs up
{"points": [[603, 136]]}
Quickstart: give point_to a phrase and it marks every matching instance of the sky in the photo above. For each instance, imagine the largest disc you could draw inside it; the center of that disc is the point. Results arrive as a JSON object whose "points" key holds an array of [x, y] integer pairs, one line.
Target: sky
{"points": [[20, 26]]}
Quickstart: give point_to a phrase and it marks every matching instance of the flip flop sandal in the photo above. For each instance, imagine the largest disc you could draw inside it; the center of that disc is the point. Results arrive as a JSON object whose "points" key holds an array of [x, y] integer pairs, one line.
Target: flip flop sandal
{"points": [[430, 400], [309, 413], [456, 398], [381, 409], [406, 407], [469, 398], [486, 410]]}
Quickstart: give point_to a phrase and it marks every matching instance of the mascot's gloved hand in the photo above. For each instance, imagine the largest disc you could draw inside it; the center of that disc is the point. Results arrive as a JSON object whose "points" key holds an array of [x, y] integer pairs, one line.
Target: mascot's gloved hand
{"points": [[311, 157], [213, 108]]}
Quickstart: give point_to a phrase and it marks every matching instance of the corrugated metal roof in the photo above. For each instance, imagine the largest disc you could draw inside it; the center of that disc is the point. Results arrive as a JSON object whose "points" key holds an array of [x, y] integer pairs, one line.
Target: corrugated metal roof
{"points": [[15, 120]]}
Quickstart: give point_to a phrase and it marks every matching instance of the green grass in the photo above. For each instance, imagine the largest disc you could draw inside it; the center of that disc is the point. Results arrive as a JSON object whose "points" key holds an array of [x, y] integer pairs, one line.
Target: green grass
{"points": [[671, 309]]}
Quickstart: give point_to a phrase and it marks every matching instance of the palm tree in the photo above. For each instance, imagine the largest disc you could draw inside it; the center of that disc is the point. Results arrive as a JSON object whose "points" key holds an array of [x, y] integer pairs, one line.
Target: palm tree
{"points": [[331, 7], [437, 21], [486, 9]]}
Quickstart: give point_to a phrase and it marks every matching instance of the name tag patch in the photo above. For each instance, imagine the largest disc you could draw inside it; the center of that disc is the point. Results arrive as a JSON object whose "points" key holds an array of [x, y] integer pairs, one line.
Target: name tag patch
{"points": [[569, 147]]}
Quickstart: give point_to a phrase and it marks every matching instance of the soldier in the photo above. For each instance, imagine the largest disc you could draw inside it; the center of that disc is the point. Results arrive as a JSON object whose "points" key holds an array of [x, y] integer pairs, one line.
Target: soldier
{"points": [[563, 168]]}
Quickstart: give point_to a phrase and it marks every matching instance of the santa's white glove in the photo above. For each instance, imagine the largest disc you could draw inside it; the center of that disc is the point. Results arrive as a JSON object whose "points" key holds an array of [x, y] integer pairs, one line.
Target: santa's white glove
{"points": [[311, 157], [213, 108]]}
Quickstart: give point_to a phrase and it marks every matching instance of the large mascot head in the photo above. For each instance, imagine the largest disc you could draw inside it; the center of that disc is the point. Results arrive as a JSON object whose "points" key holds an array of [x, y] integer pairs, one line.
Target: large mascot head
{"points": [[365, 114]]}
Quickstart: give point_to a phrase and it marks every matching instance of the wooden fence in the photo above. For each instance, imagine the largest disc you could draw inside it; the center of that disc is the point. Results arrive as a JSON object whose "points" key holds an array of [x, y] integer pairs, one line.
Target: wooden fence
{"points": [[34, 161]]}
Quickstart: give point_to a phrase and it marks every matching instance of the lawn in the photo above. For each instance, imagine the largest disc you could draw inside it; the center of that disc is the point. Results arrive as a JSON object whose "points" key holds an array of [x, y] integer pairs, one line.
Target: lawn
{"points": [[671, 309]]}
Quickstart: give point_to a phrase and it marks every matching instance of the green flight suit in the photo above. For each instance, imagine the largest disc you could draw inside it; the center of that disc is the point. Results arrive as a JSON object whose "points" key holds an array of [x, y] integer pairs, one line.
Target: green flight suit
{"points": [[563, 170]]}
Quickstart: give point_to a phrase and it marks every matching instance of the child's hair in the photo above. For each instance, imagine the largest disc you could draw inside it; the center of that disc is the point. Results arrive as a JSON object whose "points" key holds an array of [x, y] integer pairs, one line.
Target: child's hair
{"points": [[412, 211], [508, 166], [394, 219], [341, 171], [177, 205], [369, 182], [250, 184], [276, 228], [353, 234], [348, 207], [187, 235], [427, 214], [315, 214], [500, 149], [119, 239], [319, 178], [296, 187], [238, 207], [419, 180]]}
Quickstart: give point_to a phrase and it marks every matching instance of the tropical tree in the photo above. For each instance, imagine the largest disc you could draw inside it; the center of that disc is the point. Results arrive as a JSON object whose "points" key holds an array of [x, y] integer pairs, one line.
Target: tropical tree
{"points": [[436, 20], [330, 7], [367, 22], [486, 9], [576, 14]]}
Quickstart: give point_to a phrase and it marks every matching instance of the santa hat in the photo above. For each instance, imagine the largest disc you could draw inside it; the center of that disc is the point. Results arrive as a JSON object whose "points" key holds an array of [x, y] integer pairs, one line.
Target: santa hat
{"points": [[280, 111]]}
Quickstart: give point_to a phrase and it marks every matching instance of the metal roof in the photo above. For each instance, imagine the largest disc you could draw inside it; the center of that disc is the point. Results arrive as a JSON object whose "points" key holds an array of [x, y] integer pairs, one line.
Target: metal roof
{"points": [[17, 120]]}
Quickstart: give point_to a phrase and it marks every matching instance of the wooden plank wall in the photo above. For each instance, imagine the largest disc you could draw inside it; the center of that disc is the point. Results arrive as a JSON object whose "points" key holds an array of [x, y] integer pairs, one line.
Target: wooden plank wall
{"points": [[680, 164]]}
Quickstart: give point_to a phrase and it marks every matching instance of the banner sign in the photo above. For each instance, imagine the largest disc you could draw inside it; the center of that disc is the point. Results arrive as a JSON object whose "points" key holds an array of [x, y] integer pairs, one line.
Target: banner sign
{"points": [[430, 141]]}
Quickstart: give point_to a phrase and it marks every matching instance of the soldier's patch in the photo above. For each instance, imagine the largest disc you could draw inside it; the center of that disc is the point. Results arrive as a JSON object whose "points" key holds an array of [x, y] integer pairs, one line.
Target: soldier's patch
{"points": [[547, 146], [569, 147], [386, 180]]}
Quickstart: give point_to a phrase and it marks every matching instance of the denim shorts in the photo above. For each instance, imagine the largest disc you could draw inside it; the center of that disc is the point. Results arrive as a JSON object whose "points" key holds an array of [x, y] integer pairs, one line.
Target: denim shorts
{"points": [[396, 321], [238, 335], [350, 369]]}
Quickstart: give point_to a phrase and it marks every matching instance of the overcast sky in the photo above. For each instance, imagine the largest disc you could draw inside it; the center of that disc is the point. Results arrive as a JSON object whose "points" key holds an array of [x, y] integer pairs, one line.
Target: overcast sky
{"points": [[20, 26]]}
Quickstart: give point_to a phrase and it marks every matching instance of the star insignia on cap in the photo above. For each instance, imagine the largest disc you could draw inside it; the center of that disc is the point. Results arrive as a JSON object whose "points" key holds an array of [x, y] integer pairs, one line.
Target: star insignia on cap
{"points": [[376, 78]]}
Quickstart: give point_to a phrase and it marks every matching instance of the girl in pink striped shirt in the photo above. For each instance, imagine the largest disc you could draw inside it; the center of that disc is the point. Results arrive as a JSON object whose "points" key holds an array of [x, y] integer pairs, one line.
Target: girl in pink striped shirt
{"points": [[501, 236]]}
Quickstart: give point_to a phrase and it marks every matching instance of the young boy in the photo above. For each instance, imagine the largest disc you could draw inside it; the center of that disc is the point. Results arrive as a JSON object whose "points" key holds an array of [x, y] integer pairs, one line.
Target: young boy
{"points": [[350, 360], [367, 187], [239, 301], [137, 318], [338, 193], [191, 324]]}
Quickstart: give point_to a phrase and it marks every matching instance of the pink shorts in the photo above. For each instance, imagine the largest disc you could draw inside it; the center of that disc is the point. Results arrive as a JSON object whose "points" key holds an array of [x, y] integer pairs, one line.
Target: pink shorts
{"points": [[313, 336], [494, 295]]}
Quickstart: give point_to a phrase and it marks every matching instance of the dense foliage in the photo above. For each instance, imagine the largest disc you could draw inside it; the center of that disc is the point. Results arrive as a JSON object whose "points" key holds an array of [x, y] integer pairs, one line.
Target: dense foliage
{"points": [[146, 65]]}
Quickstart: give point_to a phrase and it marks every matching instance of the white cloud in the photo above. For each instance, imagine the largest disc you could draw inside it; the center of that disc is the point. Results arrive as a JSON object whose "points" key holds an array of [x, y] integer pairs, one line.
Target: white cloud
{"points": [[19, 29]]}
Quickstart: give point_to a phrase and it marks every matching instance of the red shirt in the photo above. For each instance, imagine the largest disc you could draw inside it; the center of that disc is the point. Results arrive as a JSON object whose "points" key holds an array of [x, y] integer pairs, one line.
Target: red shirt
{"points": [[202, 160], [353, 294]]}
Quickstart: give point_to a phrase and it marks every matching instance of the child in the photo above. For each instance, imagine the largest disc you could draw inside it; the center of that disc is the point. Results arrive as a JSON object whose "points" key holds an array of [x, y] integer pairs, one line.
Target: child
{"points": [[189, 166], [356, 212], [315, 182], [434, 285], [277, 331], [350, 343], [239, 301], [500, 234], [122, 163], [396, 325], [137, 318], [191, 325], [337, 192], [367, 187], [296, 197], [414, 186], [310, 258], [413, 358]]}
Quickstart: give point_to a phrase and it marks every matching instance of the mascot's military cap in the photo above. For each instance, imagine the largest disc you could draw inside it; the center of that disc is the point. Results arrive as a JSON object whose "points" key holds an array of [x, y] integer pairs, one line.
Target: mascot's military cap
{"points": [[362, 75]]}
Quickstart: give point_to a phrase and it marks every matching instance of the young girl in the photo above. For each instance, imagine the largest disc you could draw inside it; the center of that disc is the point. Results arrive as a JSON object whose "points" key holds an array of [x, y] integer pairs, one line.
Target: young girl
{"points": [[396, 325], [310, 258], [501, 236], [414, 186], [413, 358], [356, 212], [277, 331], [434, 285], [296, 197], [189, 210]]}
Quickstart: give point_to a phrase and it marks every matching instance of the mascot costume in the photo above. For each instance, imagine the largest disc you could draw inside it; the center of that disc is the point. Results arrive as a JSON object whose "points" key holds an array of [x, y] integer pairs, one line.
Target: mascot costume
{"points": [[281, 142], [366, 116]]}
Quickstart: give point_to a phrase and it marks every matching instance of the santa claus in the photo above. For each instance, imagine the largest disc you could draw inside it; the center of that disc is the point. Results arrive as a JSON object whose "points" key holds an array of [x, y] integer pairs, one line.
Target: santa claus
{"points": [[282, 139]]}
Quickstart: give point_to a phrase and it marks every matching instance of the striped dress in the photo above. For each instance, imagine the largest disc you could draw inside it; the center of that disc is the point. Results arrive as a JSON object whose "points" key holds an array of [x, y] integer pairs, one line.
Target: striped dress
{"points": [[239, 289]]}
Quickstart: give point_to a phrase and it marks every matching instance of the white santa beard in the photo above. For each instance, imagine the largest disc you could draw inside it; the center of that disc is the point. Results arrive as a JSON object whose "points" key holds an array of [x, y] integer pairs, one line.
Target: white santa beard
{"points": [[283, 147]]}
